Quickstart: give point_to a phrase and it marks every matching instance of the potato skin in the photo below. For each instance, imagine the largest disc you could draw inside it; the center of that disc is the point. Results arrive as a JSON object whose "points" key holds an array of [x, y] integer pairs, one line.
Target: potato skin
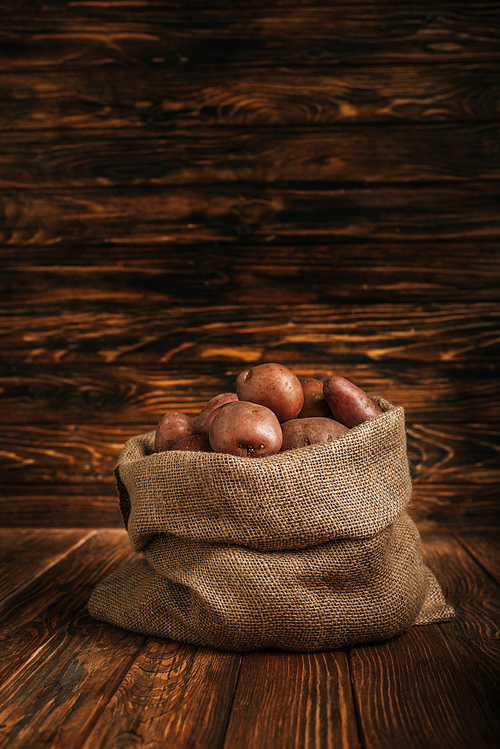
{"points": [[202, 422], [211, 416], [310, 431], [348, 403], [314, 400], [172, 427], [196, 443], [245, 429], [274, 386]]}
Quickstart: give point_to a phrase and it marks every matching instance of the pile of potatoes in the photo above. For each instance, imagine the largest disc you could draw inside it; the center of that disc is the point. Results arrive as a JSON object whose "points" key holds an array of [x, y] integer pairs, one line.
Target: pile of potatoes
{"points": [[271, 411]]}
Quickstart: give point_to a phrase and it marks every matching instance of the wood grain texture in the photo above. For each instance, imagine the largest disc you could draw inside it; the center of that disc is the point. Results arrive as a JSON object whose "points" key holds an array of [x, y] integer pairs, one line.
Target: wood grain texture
{"points": [[410, 693], [334, 273], [34, 554], [485, 550], [140, 394], [323, 335], [59, 694], [10, 539], [65, 505], [362, 266], [315, 709], [415, 690], [210, 95], [449, 445], [251, 214], [473, 635], [442, 508], [91, 35], [433, 686], [203, 156], [180, 693], [30, 617]]}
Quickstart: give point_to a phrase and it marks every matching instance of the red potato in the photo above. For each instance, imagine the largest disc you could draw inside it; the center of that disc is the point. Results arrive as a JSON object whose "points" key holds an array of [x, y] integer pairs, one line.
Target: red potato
{"points": [[274, 386], [196, 443], [211, 416], [310, 431], [172, 427], [349, 404], [314, 400], [245, 429], [202, 422]]}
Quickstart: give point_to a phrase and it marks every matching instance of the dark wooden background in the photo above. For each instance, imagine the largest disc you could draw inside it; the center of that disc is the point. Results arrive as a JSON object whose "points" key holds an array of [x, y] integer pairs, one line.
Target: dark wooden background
{"points": [[189, 188]]}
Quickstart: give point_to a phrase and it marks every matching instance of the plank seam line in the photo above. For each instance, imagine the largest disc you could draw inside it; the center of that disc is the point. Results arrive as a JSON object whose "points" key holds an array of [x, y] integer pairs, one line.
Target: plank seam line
{"points": [[313, 68], [219, 129], [272, 185], [235, 126], [355, 701], [229, 710]]}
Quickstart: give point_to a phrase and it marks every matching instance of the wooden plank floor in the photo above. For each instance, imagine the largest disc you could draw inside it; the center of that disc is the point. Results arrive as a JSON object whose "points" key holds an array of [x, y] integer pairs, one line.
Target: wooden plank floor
{"points": [[67, 681]]}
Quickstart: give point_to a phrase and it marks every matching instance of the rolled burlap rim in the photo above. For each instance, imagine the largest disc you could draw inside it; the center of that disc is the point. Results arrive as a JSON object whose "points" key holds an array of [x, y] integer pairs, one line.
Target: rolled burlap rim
{"points": [[352, 487]]}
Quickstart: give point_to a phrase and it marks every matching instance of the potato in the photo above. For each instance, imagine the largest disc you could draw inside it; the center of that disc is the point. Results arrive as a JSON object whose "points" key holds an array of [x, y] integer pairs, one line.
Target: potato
{"points": [[172, 427], [202, 422], [196, 443], [309, 431], [314, 400], [274, 386], [211, 416], [245, 429], [349, 404]]}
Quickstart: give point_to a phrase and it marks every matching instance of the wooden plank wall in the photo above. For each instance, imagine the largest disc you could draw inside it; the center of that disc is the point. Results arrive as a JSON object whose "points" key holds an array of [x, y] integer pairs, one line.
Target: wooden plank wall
{"points": [[189, 188]]}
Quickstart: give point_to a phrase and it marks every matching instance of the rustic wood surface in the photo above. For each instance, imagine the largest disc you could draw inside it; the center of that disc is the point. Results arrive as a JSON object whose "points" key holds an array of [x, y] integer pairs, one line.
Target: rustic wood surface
{"points": [[69, 681], [158, 34], [189, 188]]}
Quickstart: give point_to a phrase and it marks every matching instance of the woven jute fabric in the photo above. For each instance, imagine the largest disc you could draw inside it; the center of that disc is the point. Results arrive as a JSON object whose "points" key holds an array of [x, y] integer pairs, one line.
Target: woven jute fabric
{"points": [[309, 549]]}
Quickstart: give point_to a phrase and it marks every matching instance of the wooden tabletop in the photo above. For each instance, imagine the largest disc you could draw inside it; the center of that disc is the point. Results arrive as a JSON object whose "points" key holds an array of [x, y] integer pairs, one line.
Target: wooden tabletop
{"points": [[190, 188], [69, 681]]}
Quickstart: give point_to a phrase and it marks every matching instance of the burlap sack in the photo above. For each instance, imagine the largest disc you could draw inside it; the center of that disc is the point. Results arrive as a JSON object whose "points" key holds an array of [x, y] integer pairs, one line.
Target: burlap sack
{"points": [[310, 549]]}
